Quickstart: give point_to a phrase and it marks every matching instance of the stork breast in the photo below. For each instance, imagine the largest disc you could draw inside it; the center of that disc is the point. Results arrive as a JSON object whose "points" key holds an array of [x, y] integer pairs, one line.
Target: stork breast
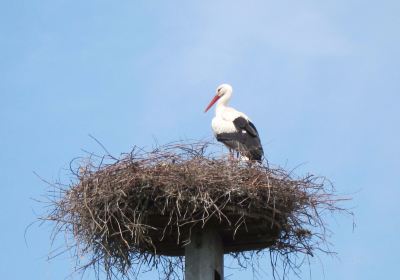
{"points": [[220, 125]]}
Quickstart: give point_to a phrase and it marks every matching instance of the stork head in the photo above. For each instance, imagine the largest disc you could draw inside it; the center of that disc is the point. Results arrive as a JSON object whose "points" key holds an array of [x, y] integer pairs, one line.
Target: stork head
{"points": [[223, 90]]}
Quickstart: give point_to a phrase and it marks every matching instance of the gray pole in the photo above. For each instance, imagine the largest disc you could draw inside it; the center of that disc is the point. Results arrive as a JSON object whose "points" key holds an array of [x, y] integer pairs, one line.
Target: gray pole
{"points": [[204, 256]]}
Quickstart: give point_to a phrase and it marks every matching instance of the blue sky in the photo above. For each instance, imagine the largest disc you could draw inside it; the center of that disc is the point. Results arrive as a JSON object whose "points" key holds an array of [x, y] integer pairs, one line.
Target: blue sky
{"points": [[320, 79]]}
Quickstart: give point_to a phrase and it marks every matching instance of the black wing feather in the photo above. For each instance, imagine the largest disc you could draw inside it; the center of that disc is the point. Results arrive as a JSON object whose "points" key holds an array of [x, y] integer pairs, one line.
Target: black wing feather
{"points": [[241, 123], [245, 140]]}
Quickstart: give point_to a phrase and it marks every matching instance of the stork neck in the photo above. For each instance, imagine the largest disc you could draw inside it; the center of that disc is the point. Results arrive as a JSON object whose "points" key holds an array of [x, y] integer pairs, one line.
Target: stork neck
{"points": [[222, 104], [223, 101]]}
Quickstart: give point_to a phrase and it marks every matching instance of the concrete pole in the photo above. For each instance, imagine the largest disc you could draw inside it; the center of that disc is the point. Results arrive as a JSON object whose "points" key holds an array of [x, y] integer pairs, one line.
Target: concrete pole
{"points": [[204, 256]]}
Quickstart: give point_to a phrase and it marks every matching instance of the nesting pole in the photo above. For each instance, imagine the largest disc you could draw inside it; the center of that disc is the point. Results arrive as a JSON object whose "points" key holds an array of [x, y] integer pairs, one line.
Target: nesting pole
{"points": [[204, 256]]}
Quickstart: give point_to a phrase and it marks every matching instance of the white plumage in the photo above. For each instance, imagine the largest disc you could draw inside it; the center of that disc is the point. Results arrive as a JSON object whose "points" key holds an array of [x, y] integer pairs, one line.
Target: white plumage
{"points": [[224, 117], [234, 128]]}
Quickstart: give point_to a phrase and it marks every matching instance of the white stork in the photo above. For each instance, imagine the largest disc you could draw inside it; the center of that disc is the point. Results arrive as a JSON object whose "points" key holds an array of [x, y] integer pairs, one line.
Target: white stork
{"points": [[234, 128]]}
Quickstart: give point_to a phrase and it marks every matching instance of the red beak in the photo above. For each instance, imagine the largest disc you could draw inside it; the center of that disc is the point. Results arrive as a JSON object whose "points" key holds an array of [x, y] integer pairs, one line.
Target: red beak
{"points": [[212, 103]]}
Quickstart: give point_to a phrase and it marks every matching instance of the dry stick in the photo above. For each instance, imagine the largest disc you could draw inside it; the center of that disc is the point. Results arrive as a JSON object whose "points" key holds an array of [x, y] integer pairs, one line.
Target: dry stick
{"points": [[125, 211]]}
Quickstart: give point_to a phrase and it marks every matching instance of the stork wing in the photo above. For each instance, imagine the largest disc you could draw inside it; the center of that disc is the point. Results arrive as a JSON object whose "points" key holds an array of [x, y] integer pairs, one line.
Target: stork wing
{"points": [[243, 124]]}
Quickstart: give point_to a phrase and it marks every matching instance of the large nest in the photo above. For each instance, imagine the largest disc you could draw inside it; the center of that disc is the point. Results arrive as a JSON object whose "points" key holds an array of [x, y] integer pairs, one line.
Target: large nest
{"points": [[143, 207]]}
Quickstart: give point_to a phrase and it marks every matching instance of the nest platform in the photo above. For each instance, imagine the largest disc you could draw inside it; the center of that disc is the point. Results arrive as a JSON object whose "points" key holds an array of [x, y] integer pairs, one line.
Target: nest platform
{"points": [[130, 210]]}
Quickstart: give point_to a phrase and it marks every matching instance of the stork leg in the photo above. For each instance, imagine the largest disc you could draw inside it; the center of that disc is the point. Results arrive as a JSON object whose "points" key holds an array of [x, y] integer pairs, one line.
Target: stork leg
{"points": [[231, 154]]}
